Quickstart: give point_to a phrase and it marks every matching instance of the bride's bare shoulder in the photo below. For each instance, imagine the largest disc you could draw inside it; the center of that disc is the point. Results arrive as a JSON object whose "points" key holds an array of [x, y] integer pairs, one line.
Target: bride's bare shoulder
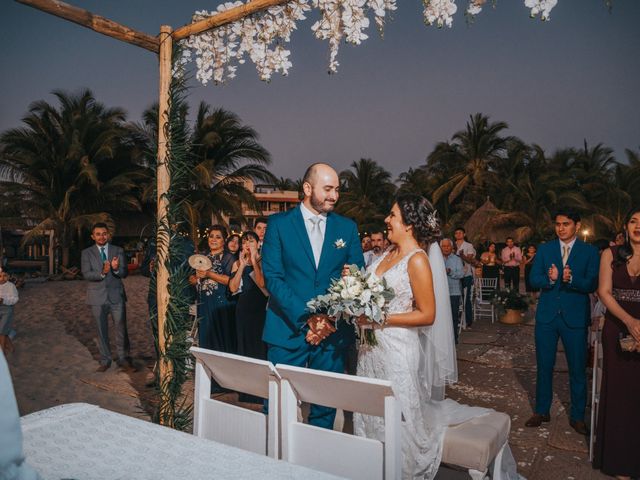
{"points": [[419, 261]]}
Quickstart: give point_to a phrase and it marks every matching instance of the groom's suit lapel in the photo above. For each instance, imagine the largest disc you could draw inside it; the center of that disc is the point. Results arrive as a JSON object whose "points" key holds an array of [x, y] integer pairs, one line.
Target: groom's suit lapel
{"points": [[329, 237], [301, 231]]}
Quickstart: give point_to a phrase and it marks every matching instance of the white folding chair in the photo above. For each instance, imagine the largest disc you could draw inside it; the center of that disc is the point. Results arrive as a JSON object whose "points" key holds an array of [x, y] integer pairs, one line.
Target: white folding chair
{"points": [[334, 452], [230, 424], [482, 306]]}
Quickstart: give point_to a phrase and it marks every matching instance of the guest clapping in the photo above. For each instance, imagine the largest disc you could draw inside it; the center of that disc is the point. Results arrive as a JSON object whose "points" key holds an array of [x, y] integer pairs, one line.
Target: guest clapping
{"points": [[619, 416], [455, 272], [248, 283], [217, 328], [511, 257], [490, 262]]}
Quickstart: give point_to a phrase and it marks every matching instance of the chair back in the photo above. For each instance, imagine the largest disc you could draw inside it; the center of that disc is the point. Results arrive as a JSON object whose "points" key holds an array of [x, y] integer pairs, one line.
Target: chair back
{"points": [[334, 452], [230, 424]]}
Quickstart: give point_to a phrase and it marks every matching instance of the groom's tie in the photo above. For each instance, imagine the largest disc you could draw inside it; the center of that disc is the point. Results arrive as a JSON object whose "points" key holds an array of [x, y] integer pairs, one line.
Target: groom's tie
{"points": [[316, 238], [103, 254]]}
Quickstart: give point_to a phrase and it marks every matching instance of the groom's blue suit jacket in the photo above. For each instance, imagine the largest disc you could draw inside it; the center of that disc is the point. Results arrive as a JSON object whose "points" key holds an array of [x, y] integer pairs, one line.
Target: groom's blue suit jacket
{"points": [[292, 277], [569, 300]]}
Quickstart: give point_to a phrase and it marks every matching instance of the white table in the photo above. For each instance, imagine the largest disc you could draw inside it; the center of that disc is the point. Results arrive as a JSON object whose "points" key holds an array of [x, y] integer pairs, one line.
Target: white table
{"points": [[85, 442]]}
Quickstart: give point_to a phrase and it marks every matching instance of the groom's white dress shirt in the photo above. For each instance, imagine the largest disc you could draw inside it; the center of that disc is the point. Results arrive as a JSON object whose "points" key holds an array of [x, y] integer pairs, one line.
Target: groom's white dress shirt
{"points": [[316, 226]]}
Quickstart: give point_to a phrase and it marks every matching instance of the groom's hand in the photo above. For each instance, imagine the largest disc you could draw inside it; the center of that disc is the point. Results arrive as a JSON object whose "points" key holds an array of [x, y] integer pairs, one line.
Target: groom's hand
{"points": [[320, 327]]}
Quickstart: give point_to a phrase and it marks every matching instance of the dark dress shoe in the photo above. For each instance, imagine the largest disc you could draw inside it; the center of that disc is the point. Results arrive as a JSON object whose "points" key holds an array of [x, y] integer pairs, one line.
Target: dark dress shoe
{"points": [[579, 426], [102, 368], [537, 419]]}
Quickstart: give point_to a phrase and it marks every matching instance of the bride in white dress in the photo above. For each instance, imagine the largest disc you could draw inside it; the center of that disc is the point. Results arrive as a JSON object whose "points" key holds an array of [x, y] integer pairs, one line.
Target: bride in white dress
{"points": [[416, 349]]}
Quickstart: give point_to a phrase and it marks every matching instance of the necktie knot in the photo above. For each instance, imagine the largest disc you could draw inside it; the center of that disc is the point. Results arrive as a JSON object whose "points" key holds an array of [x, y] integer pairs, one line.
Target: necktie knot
{"points": [[316, 222]]}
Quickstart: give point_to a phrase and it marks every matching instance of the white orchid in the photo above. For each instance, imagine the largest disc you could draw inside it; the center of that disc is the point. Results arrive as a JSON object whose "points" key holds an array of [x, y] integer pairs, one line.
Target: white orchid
{"points": [[540, 7], [263, 36]]}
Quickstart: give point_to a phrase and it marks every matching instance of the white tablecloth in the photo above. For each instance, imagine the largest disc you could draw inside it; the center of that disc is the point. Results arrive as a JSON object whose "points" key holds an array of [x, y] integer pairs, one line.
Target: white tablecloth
{"points": [[85, 442]]}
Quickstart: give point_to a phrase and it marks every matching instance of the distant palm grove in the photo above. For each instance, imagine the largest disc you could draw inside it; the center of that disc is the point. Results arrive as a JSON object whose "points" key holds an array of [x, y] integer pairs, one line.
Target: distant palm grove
{"points": [[79, 161]]}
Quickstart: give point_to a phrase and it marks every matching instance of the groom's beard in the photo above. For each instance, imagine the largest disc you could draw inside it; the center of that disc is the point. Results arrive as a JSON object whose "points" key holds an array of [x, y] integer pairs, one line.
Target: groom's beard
{"points": [[377, 250], [323, 206]]}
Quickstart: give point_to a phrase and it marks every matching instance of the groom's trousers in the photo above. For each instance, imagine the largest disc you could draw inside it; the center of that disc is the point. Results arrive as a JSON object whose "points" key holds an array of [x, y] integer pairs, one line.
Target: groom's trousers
{"points": [[318, 358]]}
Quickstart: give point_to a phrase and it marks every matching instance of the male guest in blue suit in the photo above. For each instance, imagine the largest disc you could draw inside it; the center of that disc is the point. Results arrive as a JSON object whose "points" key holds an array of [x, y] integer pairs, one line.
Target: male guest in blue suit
{"points": [[566, 271], [304, 249]]}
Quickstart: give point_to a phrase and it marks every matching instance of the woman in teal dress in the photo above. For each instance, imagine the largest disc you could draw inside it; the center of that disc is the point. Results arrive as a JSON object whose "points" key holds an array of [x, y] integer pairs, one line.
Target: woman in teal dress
{"points": [[216, 329]]}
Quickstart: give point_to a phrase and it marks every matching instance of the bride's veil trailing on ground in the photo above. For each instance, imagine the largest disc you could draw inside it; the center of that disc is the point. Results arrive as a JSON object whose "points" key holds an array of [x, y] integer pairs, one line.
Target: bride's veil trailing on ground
{"points": [[438, 363]]}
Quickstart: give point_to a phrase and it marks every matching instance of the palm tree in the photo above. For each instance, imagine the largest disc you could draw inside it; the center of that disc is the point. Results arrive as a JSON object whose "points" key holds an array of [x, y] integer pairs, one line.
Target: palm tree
{"points": [[290, 185], [469, 159], [622, 195], [533, 187], [367, 193], [224, 154], [68, 166]]}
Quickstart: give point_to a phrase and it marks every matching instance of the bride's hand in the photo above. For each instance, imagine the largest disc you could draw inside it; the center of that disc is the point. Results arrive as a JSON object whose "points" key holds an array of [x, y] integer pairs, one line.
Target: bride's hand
{"points": [[345, 270], [363, 320]]}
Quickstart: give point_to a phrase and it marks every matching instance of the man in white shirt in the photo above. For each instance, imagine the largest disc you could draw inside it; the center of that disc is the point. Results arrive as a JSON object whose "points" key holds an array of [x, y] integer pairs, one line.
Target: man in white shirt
{"points": [[467, 254], [8, 298], [377, 248]]}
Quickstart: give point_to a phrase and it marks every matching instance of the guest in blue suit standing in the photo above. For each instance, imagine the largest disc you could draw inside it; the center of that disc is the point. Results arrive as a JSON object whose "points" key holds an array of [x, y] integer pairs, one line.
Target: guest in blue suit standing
{"points": [[303, 250], [566, 271]]}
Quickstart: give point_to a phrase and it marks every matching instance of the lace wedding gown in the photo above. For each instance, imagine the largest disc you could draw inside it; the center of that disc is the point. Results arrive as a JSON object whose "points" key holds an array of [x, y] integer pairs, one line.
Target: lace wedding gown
{"points": [[401, 357]]}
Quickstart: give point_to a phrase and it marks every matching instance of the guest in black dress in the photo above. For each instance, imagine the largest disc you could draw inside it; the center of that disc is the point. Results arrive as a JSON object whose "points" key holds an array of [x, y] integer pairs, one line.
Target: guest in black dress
{"points": [[616, 450], [490, 263], [216, 329], [248, 280], [528, 263]]}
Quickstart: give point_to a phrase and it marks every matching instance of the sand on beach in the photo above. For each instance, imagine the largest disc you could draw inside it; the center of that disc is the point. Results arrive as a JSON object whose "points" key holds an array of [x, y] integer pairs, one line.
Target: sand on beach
{"points": [[56, 353]]}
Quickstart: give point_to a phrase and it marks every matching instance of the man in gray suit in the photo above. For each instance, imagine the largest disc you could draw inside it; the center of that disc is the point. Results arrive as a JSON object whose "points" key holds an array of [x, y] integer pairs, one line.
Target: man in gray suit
{"points": [[104, 266]]}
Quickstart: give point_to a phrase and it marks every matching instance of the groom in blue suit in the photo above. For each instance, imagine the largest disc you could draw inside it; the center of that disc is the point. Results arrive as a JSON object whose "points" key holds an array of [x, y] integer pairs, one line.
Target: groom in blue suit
{"points": [[566, 272], [303, 250]]}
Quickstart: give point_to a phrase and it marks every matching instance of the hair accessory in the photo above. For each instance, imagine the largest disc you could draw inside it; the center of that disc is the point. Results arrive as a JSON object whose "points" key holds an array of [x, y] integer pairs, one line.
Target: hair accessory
{"points": [[432, 220]]}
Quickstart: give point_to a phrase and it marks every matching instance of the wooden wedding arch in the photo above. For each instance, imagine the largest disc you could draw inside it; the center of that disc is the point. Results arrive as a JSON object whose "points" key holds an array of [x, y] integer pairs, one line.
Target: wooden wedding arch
{"points": [[162, 46]]}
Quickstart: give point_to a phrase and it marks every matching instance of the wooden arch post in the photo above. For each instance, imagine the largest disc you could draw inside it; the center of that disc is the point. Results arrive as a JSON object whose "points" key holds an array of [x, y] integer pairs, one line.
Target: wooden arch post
{"points": [[163, 178]]}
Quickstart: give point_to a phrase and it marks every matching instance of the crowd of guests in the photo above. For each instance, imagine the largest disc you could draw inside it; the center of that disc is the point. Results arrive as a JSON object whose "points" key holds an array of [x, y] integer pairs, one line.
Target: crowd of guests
{"points": [[231, 295], [232, 299]]}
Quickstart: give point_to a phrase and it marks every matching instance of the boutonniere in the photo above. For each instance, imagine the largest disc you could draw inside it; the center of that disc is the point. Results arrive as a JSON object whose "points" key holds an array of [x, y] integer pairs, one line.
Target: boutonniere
{"points": [[340, 243]]}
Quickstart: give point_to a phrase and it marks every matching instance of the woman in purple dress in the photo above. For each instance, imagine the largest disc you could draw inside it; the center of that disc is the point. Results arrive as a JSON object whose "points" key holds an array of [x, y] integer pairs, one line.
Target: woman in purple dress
{"points": [[616, 450]]}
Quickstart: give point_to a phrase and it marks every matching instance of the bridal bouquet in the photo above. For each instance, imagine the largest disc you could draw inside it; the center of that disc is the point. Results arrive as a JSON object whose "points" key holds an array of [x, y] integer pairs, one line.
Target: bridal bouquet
{"points": [[353, 295]]}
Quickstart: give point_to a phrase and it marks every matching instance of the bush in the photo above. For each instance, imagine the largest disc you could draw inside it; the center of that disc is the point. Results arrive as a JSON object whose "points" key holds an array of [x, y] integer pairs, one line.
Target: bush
{"points": [[510, 300]]}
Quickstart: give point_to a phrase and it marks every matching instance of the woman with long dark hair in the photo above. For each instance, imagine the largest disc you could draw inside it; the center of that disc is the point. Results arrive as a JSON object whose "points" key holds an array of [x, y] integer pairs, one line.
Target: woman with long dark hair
{"points": [[415, 349], [251, 309], [616, 452], [232, 245]]}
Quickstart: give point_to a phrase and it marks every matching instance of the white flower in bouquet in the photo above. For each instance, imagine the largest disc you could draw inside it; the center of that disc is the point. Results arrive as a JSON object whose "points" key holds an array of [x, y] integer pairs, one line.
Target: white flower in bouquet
{"points": [[353, 295]]}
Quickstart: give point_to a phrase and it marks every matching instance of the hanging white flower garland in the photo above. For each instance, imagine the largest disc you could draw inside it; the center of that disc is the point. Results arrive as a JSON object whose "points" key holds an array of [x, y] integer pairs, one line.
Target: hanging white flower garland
{"points": [[262, 36]]}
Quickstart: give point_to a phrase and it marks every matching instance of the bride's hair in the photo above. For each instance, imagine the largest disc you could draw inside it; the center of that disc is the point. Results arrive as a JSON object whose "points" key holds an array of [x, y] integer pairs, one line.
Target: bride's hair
{"points": [[418, 212]]}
